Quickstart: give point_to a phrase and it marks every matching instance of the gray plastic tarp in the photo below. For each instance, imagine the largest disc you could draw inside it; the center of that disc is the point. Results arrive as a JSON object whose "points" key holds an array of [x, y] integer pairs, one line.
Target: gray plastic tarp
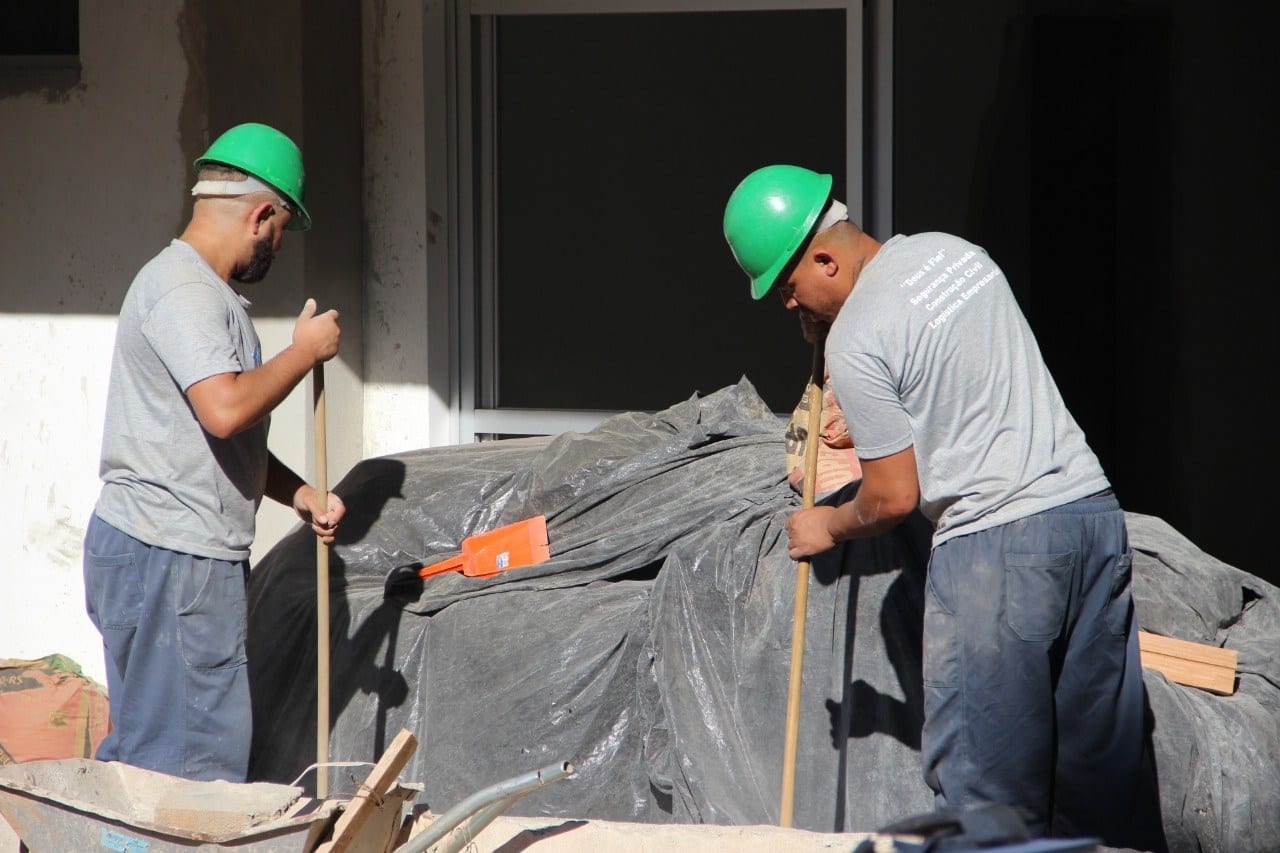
{"points": [[653, 649]]}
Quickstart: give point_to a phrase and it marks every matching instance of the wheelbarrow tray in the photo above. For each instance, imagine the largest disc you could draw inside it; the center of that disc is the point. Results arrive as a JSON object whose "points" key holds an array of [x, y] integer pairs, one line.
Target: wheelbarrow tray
{"points": [[81, 804]]}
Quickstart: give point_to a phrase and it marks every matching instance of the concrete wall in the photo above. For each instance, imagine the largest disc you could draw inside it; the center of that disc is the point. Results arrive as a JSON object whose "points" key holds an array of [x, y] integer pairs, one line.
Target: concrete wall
{"points": [[93, 182], [406, 382]]}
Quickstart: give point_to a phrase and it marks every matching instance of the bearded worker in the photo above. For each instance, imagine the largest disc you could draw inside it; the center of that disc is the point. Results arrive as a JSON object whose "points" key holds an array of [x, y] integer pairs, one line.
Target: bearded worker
{"points": [[1033, 692], [185, 464]]}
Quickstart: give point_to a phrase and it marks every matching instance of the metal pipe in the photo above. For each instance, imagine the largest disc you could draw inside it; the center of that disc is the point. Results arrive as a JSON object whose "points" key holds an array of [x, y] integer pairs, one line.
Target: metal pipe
{"points": [[464, 833], [479, 809]]}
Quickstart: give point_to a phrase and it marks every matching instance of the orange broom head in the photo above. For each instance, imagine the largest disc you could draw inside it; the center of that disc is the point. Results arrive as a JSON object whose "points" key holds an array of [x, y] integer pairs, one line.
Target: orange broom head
{"points": [[523, 543]]}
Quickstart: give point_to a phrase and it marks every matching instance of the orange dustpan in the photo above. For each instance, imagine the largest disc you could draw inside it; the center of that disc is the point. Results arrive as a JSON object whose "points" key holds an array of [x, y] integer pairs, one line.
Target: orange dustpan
{"points": [[523, 543]]}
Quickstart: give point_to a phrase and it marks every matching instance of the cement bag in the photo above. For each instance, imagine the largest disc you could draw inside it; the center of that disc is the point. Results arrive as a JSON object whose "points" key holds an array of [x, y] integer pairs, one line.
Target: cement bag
{"points": [[49, 709], [838, 463]]}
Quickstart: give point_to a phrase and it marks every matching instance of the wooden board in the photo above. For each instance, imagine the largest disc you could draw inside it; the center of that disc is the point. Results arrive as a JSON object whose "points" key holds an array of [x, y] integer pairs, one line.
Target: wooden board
{"points": [[364, 803], [1193, 664]]}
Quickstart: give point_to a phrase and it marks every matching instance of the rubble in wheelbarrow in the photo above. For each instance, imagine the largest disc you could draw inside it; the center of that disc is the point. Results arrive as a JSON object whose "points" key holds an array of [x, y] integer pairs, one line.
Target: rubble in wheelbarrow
{"points": [[652, 648]]}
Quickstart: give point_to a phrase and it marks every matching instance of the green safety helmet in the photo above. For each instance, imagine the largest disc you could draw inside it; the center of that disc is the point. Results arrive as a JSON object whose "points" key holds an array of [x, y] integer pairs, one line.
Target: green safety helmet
{"points": [[269, 156], [769, 217]]}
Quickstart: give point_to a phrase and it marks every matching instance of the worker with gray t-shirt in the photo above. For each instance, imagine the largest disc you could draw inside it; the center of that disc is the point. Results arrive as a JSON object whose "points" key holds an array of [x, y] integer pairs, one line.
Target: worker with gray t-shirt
{"points": [[185, 465], [1033, 692]]}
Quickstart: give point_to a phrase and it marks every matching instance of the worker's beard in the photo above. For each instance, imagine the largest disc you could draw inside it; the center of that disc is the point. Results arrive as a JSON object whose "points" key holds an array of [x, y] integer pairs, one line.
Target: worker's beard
{"points": [[259, 264], [813, 328]]}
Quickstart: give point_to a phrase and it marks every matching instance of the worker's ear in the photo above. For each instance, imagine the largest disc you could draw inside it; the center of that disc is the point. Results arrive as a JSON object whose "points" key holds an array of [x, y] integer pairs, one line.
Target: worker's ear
{"points": [[260, 214], [827, 262]]}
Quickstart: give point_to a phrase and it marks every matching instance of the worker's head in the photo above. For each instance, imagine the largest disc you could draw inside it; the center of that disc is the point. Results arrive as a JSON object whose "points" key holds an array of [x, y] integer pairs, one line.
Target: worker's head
{"points": [[786, 231], [770, 216], [249, 186]]}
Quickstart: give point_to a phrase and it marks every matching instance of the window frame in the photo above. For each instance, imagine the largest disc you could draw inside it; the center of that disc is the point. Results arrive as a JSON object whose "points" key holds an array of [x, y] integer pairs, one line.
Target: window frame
{"points": [[462, 315]]}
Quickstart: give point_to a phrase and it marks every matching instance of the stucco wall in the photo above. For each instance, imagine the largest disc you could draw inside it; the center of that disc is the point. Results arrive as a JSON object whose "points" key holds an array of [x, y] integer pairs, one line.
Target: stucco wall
{"points": [[402, 411]]}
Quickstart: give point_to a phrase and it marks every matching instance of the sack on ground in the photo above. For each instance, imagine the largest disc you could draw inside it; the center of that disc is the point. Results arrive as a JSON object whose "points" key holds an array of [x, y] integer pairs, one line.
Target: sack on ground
{"points": [[49, 709]]}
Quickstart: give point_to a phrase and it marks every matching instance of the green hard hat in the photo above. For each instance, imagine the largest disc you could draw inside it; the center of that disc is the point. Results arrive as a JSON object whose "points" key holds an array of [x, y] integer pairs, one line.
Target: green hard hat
{"points": [[768, 219], [269, 156]]}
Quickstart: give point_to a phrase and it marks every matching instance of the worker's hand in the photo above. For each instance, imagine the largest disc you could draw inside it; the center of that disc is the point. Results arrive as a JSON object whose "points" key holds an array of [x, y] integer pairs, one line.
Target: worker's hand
{"points": [[808, 533], [317, 334], [323, 520]]}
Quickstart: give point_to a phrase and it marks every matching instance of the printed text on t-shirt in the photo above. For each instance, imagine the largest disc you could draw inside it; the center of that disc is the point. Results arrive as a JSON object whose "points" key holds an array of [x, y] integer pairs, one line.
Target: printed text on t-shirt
{"points": [[952, 284]]}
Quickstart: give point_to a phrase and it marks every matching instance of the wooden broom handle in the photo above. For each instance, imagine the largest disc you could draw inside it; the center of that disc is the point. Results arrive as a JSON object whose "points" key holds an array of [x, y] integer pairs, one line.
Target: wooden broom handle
{"points": [[802, 590], [322, 591]]}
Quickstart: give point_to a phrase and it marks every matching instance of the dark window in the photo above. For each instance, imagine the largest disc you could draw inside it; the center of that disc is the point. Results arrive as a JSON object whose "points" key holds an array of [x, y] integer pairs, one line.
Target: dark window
{"points": [[39, 46], [40, 28], [619, 139]]}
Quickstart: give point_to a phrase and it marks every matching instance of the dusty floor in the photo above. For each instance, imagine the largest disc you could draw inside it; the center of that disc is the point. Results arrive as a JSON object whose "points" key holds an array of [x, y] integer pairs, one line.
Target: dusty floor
{"points": [[562, 835], [559, 835]]}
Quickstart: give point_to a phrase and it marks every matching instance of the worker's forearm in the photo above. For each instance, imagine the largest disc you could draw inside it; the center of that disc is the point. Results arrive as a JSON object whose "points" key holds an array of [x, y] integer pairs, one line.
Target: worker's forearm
{"points": [[866, 515], [282, 482]]}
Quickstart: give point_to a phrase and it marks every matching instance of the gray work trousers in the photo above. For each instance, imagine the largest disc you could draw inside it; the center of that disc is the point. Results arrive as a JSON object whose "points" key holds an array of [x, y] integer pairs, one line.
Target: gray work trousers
{"points": [[1033, 691], [173, 631]]}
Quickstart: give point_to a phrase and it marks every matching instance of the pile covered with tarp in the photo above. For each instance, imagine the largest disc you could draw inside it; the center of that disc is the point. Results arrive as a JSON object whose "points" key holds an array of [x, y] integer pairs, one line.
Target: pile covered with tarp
{"points": [[653, 649]]}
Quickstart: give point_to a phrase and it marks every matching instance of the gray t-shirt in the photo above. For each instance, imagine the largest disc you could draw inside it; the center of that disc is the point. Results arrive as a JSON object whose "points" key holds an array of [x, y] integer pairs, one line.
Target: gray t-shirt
{"points": [[931, 350], [166, 481]]}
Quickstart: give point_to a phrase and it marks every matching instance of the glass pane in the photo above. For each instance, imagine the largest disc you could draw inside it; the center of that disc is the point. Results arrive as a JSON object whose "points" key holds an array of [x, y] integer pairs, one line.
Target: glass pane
{"points": [[620, 137]]}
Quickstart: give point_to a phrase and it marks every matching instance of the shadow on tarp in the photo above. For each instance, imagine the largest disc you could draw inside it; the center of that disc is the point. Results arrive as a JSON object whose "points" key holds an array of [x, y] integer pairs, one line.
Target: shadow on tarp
{"points": [[652, 649]]}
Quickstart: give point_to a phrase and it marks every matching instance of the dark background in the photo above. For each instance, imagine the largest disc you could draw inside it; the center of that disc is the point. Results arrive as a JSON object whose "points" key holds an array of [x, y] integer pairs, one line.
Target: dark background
{"points": [[620, 138], [1119, 161]]}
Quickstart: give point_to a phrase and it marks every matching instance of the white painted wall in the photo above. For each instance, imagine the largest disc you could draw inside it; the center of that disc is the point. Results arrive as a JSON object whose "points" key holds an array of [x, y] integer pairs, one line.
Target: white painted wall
{"points": [[55, 390], [53, 403]]}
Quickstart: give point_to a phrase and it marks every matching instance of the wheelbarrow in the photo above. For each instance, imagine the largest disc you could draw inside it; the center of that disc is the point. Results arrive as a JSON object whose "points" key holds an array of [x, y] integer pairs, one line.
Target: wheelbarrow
{"points": [[81, 804]]}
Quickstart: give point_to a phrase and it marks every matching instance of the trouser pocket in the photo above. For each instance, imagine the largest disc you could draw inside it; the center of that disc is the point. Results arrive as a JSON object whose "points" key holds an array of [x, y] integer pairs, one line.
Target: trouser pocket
{"points": [[1037, 587], [210, 603], [941, 643], [114, 590], [1120, 606]]}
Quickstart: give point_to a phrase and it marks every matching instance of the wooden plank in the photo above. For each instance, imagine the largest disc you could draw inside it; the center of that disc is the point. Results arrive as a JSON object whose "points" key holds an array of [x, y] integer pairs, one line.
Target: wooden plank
{"points": [[1201, 652], [1198, 665], [379, 781]]}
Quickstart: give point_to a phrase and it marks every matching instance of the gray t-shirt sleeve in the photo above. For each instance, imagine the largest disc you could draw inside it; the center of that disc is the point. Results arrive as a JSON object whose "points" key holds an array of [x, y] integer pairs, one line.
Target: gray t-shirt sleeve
{"points": [[877, 422], [188, 328]]}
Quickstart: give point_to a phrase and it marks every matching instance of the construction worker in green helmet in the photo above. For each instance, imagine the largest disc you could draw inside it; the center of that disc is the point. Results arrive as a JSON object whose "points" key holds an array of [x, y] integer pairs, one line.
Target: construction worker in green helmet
{"points": [[1033, 693], [185, 464]]}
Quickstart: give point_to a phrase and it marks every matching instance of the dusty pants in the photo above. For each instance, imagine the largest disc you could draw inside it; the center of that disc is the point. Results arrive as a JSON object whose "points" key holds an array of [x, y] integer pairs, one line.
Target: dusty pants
{"points": [[173, 630], [1033, 687]]}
